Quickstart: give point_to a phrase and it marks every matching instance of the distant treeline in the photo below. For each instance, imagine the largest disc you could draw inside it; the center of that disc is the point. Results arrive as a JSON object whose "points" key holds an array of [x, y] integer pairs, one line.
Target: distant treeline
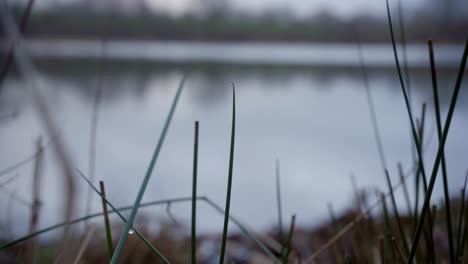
{"points": [[81, 23]]}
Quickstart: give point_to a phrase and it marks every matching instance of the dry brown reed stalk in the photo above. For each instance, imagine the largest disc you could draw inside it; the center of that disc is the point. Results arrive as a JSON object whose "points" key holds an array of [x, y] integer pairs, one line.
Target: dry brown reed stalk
{"points": [[32, 249], [35, 83], [355, 221], [94, 129], [84, 245], [398, 250]]}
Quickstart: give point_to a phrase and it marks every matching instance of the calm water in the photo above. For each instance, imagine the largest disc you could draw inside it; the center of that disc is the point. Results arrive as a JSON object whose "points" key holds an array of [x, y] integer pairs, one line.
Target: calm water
{"points": [[314, 118]]}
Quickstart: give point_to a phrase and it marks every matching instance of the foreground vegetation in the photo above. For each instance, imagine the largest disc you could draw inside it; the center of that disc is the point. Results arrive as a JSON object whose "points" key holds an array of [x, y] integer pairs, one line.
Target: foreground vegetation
{"points": [[425, 233]]}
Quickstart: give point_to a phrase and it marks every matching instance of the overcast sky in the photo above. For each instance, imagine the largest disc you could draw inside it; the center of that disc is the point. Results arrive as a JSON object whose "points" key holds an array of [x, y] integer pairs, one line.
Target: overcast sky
{"points": [[299, 7], [345, 8]]}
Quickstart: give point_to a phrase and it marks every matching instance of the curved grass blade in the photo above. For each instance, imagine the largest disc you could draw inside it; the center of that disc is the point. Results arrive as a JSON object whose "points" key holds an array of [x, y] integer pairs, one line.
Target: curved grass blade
{"points": [[91, 216], [229, 186], [414, 132], [194, 196], [443, 139], [435, 91], [149, 171]]}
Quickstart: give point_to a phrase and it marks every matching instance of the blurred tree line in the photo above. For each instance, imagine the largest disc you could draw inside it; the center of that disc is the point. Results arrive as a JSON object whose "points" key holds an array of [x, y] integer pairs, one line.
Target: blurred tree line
{"points": [[215, 20]]}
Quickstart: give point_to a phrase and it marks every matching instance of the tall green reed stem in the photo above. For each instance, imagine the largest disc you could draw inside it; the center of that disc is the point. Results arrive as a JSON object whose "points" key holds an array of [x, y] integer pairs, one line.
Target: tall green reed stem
{"points": [[439, 153], [229, 185], [194, 196], [435, 91]]}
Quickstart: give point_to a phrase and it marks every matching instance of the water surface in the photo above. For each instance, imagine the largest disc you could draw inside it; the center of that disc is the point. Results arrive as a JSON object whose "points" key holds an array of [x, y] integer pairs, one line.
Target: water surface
{"points": [[313, 118]]}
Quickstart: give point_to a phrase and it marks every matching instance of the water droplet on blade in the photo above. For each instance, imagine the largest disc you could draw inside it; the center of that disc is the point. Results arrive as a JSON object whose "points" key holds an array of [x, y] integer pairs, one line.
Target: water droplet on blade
{"points": [[131, 231]]}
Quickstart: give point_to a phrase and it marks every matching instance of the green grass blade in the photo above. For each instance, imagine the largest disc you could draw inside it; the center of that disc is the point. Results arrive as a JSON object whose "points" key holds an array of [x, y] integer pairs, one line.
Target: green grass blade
{"points": [[435, 91], [405, 95], [194, 196], [149, 171], [417, 140], [110, 245], [289, 242], [439, 152], [229, 186], [397, 215]]}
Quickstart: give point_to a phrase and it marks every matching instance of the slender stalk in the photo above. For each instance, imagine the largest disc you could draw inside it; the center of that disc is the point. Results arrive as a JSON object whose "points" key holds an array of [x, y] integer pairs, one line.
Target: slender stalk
{"points": [[84, 244], [405, 189], [407, 102], [289, 242], [10, 55], [110, 245], [194, 195], [398, 250], [229, 186], [93, 131], [382, 250], [149, 171], [465, 233], [460, 219], [37, 179], [397, 215], [24, 161], [388, 227], [350, 225], [35, 84], [336, 228], [435, 91], [439, 153], [278, 203], [370, 104], [417, 141]]}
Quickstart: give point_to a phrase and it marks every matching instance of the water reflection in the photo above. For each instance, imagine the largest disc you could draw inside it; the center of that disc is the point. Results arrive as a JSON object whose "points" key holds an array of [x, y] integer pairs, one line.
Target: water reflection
{"points": [[315, 119]]}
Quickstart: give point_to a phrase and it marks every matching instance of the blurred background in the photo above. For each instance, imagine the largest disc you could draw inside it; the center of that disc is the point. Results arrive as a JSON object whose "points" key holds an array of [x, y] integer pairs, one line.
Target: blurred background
{"points": [[301, 100]]}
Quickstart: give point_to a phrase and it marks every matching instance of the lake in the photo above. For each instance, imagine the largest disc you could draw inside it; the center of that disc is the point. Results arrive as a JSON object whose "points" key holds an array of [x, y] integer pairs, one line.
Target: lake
{"points": [[303, 104]]}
